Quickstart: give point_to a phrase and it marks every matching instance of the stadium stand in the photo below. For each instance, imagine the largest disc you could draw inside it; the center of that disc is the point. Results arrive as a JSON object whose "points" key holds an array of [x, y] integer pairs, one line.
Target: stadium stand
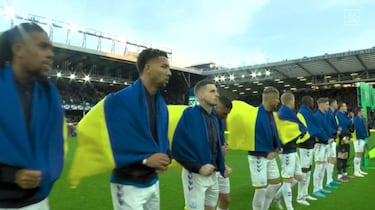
{"points": [[85, 74]]}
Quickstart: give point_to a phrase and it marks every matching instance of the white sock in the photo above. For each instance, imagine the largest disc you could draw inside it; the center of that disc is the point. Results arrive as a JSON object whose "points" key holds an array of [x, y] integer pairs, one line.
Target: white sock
{"points": [[360, 161], [287, 194], [271, 191], [322, 173], [317, 176], [258, 198], [308, 178], [357, 164], [301, 187], [279, 194], [330, 167]]}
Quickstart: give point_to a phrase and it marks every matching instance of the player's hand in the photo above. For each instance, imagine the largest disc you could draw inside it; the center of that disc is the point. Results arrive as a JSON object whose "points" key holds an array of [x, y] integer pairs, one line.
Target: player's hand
{"points": [[271, 155], [346, 140], [224, 149], [339, 131], [330, 141], [28, 179], [227, 171], [159, 161], [207, 170]]}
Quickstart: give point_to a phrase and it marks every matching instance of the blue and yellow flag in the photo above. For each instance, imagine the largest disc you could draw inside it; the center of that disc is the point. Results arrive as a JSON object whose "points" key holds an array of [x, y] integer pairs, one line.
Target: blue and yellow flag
{"points": [[250, 129], [93, 154], [289, 127], [116, 133], [241, 126]]}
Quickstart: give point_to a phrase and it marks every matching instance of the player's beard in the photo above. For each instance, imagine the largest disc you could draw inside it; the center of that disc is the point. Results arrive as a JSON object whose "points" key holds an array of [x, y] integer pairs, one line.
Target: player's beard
{"points": [[39, 76], [213, 104], [274, 108]]}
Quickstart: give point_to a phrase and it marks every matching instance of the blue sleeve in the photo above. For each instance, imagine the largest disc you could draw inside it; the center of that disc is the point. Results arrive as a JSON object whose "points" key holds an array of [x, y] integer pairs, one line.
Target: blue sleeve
{"points": [[323, 134]]}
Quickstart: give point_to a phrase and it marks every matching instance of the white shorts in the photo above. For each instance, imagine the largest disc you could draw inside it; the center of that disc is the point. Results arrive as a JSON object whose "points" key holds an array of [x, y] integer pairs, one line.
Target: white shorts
{"points": [[128, 197], [359, 145], [332, 150], [290, 165], [321, 152], [224, 184], [41, 205], [199, 190], [262, 169], [306, 156]]}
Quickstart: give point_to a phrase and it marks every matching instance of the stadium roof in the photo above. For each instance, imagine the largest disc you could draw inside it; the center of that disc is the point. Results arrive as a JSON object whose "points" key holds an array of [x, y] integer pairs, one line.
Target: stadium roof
{"points": [[307, 73], [117, 67], [325, 71]]}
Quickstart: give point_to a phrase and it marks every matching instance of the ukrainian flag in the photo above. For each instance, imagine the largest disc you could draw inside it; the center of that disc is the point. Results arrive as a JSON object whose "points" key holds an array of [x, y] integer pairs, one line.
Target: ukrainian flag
{"points": [[93, 154], [241, 126], [289, 127], [116, 133]]}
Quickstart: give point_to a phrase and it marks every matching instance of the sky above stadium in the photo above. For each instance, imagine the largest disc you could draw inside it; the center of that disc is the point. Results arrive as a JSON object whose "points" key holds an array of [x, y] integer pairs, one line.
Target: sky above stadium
{"points": [[231, 33]]}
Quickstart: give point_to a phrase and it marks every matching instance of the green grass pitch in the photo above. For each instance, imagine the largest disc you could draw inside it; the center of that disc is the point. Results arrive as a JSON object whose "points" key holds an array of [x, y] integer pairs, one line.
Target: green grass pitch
{"points": [[94, 194]]}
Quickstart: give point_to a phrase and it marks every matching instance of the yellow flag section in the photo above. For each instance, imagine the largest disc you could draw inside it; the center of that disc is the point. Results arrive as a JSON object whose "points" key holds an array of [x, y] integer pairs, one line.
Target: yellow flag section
{"points": [[241, 126], [94, 154], [371, 153], [175, 113], [65, 135], [289, 130], [303, 121]]}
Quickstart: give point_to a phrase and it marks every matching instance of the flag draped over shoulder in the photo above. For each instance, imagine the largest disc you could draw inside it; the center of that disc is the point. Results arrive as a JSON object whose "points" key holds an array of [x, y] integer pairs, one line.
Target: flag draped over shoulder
{"points": [[306, 116], [40, 147], [250, 129], [360, 130], [289, 127], [116, 133], [190, 139], [241, 126]]}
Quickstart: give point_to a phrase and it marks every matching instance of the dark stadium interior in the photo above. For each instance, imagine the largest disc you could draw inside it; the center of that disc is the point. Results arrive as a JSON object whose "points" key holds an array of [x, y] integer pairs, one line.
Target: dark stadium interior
{"points": [[109, 74]]}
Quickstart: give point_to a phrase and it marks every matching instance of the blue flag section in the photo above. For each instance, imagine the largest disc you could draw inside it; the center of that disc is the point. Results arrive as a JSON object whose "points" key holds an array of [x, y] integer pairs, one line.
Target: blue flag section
{"points": [[116, 133], [42, 146]]}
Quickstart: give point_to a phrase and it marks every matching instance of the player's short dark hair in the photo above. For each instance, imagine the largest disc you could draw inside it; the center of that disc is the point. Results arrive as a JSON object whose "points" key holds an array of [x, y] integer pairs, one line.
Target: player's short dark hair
{"points": [[12, 36], [202, 84], [226, 102], [307, 101], [286, 97], [270, 90], [331, 101], [358, 109], [341, 104], [146, 55], [322, 100]]}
